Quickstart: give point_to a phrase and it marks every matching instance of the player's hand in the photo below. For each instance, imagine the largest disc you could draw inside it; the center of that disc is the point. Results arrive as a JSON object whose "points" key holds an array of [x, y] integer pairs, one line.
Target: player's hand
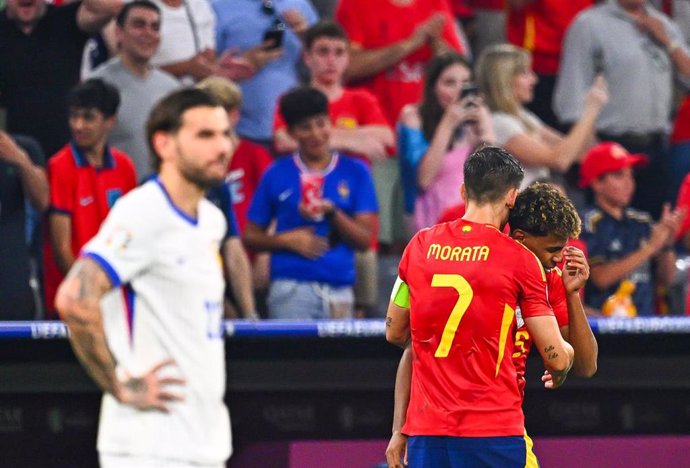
{"points": [[576, 270], [550, 382], [396, 452], [149, 391], [304, 242]]}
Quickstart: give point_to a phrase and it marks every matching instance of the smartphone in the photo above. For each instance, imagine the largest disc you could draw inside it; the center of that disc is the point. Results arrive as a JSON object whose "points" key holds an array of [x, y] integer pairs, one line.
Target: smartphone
{"points": [[469, 89], [276, 35]]}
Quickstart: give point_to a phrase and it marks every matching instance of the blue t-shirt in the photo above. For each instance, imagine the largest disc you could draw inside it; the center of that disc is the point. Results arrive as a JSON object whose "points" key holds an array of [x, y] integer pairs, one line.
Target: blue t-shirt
{"points": [[347, 183], [241, 25], [221, 196], [609, 239]]}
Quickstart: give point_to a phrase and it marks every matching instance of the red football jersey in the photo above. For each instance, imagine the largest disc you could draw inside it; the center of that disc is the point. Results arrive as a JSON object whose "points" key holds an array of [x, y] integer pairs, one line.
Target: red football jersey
{"points": [[248, 164], [373, 25], [86, 195], [465, 282], [523, 340], [540, 27]]}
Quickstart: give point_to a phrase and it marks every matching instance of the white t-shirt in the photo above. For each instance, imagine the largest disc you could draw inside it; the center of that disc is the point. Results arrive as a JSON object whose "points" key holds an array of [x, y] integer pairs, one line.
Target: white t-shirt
{"points": [[167, 304], [179, 28], [506, 126]]}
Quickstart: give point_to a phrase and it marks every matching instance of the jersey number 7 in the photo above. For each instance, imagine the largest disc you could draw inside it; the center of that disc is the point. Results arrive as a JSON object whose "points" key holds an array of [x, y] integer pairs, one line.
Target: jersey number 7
{"points": [[465, 296]]}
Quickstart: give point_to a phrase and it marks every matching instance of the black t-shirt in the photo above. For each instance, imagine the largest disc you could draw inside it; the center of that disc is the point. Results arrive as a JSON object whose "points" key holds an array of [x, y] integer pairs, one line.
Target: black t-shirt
{"points": [[16, 299], [37, 71]]}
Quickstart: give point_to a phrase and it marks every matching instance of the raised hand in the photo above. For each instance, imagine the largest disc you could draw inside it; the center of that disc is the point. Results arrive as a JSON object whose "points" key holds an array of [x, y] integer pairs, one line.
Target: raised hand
{"points": [[576, 270], [149, 391]]}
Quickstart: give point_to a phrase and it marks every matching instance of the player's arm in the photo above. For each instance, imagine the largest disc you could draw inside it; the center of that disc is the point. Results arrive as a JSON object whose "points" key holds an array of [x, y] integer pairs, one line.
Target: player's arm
{"points": [[557, 354], [61, 240], [78, 302], [396, 452], [398, 315], [578, 332], [239, 274]]}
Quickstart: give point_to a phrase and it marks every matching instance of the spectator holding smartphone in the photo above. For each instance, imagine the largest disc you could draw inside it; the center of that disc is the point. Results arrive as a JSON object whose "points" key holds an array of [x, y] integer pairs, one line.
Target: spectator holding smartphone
{"points": [[436, 135], [504, 73], [252, 30]]}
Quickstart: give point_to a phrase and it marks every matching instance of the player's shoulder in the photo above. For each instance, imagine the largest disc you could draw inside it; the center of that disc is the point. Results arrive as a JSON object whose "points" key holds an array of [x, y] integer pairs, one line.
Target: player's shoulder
{"points": [[62, 159], [640, 216], [592, 219]]}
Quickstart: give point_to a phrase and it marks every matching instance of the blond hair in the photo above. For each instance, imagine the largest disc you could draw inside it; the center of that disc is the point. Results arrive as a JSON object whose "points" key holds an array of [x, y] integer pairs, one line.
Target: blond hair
{"points": [[495, 71], [224, 90]]}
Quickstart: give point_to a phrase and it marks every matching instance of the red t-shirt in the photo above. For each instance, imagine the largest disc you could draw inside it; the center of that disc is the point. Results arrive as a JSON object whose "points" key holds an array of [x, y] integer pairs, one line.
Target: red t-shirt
{"points": [[246, 167], [681, 126], [523, 340], [373, 25], [465, 282], [86, 195], [354, 108], [540, 27]]}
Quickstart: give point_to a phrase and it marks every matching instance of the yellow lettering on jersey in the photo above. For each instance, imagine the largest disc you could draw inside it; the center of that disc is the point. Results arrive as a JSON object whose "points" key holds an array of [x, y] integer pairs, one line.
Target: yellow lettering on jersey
{"points": [[477, 253], [434, 250], [508, 316], [483, 253], [445, 252], [455, 254]]}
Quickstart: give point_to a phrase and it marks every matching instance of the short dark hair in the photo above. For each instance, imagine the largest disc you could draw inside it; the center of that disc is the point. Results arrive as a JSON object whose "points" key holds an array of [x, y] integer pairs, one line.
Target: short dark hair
{"points": [[325, 28], [166, 116], [127, 7], [95, 94], [302, 103], [543, 210], [490, 172]]}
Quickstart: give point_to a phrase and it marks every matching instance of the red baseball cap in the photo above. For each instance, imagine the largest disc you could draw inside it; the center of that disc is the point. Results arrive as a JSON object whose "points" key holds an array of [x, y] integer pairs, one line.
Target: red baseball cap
{"points": [[607, 157]]}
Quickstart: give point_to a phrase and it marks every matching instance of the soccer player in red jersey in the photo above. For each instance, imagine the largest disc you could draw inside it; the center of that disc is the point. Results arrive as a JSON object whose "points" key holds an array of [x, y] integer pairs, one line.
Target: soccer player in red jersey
{"points": [[457, 305]]}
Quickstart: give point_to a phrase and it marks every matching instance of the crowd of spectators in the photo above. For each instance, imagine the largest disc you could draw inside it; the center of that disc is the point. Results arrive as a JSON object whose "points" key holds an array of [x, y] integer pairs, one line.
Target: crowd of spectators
{"points": [[350, 133]]}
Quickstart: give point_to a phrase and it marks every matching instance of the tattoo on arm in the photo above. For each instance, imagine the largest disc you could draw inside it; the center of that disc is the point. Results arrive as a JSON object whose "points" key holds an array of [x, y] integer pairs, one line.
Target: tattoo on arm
{"points": [[389, 321], [552, 356]]}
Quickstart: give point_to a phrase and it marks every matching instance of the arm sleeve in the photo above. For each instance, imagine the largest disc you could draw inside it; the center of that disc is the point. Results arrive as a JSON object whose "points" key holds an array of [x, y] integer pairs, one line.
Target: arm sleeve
{"points": [[532, 280], [61, 188], [506, 127], [365, 201], [125, 242], [577, 71], [261, 209]]}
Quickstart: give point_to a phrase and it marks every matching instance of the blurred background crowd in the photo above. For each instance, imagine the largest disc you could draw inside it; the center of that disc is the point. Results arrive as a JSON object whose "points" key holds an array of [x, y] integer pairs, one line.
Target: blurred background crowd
{"points": [[590, 96]]}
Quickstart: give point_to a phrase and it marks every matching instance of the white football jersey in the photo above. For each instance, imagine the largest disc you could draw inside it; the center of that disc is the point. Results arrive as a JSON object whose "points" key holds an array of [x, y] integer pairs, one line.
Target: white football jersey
{"points": [[167, 304]]}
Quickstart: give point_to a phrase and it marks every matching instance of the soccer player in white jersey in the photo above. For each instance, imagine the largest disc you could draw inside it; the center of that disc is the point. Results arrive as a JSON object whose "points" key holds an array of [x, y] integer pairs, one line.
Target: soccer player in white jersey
{"points": [[144, 301]]}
